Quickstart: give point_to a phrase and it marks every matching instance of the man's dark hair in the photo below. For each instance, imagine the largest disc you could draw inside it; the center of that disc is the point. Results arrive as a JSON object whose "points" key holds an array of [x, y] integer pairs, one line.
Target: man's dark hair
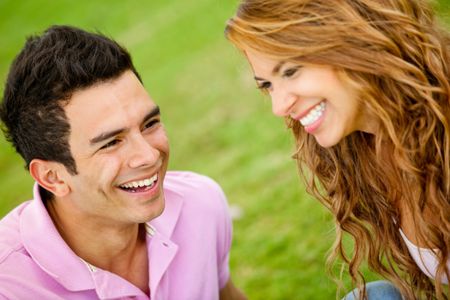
{"points": [[42, 78]]}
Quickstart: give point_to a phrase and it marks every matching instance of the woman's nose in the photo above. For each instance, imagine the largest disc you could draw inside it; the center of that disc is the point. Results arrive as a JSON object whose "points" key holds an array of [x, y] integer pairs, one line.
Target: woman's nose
{"points": [[282, 103]]}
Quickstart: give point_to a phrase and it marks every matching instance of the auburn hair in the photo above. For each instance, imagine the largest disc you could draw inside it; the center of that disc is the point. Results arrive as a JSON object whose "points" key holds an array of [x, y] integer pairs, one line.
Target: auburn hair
{"points": [[397, 58]]}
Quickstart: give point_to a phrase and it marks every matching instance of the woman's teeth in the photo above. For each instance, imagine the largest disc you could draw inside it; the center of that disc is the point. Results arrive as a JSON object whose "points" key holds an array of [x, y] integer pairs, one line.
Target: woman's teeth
{"points": [[141, 183], [313, 115]]}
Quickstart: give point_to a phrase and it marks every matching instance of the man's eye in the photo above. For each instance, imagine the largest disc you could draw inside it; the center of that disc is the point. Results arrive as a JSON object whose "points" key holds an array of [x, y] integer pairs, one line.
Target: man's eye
{"points": [[290, 72], [110, 144], [151, 123], [264, 86]]}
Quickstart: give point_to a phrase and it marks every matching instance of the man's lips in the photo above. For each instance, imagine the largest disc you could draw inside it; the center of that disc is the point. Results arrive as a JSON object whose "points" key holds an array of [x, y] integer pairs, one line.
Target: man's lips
{"points": [[140, 184]]}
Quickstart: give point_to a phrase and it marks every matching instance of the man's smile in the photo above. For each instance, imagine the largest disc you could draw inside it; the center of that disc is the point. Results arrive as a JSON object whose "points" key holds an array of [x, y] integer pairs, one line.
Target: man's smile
{"points": [[140, 185]]}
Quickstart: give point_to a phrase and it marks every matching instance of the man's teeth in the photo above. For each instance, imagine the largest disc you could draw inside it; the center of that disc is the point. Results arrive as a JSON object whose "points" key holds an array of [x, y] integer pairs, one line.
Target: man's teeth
{"points": [[313, 115], [141, 183]]}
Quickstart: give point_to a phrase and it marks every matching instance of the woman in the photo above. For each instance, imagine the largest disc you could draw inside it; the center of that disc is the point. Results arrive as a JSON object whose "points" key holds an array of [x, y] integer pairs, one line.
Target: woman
{"points": [[365, 87]]}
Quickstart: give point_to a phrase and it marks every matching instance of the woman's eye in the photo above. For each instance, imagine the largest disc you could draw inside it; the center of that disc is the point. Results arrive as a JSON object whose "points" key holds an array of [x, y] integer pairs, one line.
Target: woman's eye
{"points": [[265, 85], [290, 72]]}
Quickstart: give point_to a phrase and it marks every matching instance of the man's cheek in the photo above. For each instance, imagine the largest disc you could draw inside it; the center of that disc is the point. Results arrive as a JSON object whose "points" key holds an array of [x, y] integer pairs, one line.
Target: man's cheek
{"points": [[107, 172]]}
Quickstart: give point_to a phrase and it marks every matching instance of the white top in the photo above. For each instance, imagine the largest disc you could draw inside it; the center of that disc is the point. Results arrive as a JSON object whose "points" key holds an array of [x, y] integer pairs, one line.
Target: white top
{"points": [[425, 259]]}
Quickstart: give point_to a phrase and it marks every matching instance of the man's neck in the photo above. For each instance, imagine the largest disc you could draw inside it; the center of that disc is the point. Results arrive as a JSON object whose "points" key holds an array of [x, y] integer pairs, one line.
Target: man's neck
{"points": [[118, 249]]}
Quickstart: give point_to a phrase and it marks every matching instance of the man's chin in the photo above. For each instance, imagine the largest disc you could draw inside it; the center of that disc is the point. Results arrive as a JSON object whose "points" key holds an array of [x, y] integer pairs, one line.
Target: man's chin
{"points": [[158, 206]]}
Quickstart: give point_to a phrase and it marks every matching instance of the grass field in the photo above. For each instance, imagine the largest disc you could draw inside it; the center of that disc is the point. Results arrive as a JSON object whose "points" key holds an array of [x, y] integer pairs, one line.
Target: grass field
{"points": [[218, 125]]}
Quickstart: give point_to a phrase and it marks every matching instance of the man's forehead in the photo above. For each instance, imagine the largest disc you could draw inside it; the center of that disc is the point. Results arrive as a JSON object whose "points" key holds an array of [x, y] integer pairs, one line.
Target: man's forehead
{"points": [[120, 101]]}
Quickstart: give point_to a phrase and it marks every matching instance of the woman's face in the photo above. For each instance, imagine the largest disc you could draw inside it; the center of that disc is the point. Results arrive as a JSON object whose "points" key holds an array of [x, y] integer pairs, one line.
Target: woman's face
{"points": [[315, 96]]}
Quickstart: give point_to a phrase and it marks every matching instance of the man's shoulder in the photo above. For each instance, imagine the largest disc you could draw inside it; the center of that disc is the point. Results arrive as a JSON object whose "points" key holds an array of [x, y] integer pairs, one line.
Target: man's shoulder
{"points": [[186, 183], [200, 194], [10, 240]]}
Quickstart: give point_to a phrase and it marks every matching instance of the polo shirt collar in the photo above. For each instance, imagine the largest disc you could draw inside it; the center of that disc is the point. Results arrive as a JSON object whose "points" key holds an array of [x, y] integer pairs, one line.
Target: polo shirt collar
{"points": [[161, 249], [166, 222], [60, 262], [47, 248]]}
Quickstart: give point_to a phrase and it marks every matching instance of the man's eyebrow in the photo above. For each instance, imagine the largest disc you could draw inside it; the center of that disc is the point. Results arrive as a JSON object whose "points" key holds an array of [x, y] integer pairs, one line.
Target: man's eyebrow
{"points": [[109, 134], [275, 70], [105, 135], [153, 113]]}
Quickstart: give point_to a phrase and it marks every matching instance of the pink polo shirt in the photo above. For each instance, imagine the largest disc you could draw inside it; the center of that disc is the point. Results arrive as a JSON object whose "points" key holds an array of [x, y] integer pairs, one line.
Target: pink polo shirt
{"points": [[187, 246]]}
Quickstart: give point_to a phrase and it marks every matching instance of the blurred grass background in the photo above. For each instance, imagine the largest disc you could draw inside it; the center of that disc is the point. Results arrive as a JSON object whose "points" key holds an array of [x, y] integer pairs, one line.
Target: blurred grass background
{"points": [[218, 124]]}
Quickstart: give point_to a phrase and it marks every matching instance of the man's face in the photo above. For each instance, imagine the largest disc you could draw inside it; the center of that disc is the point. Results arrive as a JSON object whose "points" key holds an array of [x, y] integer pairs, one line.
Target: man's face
{"points": [[121, 152]]}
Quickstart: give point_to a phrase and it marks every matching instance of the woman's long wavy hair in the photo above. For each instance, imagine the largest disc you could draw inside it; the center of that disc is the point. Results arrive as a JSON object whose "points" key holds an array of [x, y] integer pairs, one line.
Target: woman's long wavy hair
{"points": [[398, 59]]}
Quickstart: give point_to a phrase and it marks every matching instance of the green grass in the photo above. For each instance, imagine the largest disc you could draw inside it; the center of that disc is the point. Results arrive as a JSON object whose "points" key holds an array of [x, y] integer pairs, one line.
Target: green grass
{"points": [[218, 125]]}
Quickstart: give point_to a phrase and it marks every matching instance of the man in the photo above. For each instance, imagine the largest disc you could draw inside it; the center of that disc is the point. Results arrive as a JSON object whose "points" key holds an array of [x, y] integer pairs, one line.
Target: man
{"points": [[106, 221]]}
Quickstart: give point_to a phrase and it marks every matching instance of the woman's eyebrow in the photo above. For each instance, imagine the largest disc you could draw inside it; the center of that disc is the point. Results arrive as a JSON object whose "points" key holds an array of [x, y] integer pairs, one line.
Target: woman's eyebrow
{"points": [[275, 70]]}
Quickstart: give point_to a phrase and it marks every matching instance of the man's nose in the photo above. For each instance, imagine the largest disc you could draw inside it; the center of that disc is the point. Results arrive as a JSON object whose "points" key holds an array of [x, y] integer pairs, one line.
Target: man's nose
{"points": [[142, 153], [282, 103]]}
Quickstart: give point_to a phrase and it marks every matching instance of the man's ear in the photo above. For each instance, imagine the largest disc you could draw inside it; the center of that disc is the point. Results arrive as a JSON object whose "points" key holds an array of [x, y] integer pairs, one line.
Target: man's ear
{"points": [[50, 175]]}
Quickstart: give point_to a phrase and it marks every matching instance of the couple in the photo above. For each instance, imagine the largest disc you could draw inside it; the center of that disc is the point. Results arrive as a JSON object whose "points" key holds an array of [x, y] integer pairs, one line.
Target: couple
{"points": [[363, 84]]}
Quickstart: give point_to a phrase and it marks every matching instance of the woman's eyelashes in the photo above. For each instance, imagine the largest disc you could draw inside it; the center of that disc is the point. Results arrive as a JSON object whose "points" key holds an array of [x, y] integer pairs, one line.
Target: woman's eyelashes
{"points": [[290, 72], [264, 85]]}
